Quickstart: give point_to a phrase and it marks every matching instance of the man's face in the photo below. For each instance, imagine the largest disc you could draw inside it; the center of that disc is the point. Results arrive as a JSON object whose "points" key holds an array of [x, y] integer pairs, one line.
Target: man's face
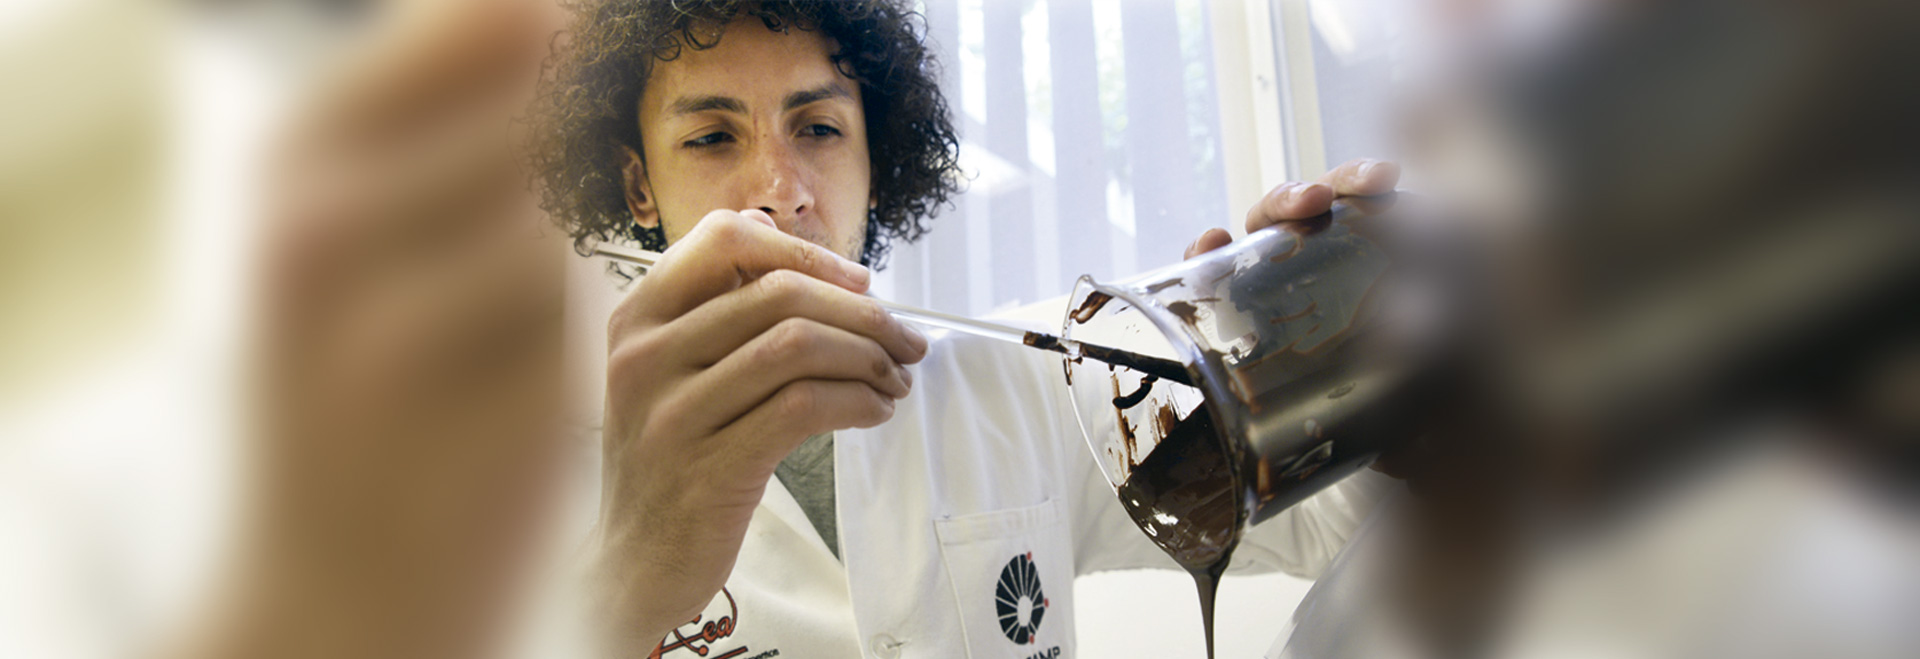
{"points": [[762, 121]]}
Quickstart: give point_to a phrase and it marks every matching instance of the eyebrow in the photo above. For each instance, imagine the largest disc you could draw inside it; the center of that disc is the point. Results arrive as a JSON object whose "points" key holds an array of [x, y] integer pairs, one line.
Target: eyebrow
{"points": [[696, 104], [817, 94]]}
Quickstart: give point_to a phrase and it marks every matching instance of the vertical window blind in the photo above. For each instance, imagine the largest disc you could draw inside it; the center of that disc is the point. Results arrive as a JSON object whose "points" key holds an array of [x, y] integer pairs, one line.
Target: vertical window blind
{"points": [[1090, 138]]}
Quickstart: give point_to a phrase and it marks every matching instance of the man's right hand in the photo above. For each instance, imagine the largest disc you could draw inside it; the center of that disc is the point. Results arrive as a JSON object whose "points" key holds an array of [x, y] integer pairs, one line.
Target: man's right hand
{"points": [[738, 345]]}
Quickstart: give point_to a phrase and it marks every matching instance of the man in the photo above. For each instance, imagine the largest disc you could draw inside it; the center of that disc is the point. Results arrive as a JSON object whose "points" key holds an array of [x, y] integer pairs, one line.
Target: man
{"points": [[786, 466]]}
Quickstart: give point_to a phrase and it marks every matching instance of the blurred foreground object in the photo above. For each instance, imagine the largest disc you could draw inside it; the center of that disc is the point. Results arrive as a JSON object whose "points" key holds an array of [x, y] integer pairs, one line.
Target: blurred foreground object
{"points": [[81, 184], [85, 314], [1695, 412], [408, 354]]}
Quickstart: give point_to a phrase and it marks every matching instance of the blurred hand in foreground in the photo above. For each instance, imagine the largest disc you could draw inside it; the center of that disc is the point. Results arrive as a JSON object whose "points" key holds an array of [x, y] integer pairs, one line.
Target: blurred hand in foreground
{"points": [[408, 351]]}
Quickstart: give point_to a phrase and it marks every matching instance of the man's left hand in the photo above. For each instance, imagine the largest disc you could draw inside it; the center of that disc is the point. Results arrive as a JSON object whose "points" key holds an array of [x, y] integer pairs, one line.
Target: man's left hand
{"points": [[1294, 201]]}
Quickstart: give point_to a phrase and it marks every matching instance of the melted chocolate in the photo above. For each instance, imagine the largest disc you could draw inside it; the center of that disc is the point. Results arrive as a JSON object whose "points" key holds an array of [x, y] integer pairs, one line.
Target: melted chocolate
{"points": [[1185, 311], [1044, 342], [1132, 399], [1182, 496], [1165, 369], [1090, 306], [1156, 287]]}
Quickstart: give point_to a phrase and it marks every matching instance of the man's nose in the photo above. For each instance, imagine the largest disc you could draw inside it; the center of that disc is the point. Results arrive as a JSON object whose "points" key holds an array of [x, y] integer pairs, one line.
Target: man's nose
{"points": [[778, 186]]}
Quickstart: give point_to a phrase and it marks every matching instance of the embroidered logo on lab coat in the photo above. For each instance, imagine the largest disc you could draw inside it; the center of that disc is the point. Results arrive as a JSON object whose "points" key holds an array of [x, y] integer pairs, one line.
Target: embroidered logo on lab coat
{"points": [[1019, 600], [713, 625]]}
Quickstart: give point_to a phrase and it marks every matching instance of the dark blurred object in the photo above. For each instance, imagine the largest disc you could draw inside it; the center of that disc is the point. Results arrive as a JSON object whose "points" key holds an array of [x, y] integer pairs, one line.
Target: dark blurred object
{"points": [[1729, 225], [1714, 259]]}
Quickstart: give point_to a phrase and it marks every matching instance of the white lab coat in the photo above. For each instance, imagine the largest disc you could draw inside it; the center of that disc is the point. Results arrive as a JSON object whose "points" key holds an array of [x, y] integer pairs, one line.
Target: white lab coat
{"points": [[981, 480]]}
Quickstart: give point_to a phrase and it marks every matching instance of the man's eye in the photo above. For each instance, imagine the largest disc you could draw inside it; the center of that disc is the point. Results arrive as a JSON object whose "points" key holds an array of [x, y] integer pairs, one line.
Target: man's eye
{"points": [[708, 139], [820, 130]]}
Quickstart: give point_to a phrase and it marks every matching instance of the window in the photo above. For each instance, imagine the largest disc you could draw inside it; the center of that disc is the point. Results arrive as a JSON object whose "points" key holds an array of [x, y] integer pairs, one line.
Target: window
{"points": [[1091, 133], [1100, 137]]}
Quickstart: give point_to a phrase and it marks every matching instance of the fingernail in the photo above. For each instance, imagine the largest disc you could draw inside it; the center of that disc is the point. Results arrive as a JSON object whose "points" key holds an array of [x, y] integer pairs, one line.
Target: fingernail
{"points": [[1367, 168], [916, 339], [1293, 190], [855, 271], [906, 375]]}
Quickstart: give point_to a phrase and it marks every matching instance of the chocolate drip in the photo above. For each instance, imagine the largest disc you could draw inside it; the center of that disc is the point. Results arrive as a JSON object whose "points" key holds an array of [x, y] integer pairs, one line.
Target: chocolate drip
{"points": [[1132, 399], [1182, 496]]}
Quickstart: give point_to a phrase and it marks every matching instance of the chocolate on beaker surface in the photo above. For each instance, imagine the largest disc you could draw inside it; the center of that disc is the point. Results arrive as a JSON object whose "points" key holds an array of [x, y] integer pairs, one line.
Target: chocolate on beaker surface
{"points": [[1300, 380]]}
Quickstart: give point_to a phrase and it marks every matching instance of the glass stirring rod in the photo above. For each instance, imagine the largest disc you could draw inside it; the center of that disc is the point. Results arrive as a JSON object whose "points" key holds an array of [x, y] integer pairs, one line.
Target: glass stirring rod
{"points": [[1166, 369]]}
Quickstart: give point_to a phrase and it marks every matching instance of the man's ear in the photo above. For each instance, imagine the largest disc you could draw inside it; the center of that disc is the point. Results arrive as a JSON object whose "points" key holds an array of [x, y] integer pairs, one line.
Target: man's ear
{"points": [[640, 201]]}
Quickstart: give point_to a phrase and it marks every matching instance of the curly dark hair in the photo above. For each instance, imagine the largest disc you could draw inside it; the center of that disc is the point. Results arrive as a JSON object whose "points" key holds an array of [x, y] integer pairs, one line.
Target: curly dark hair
{"points": [[590, 99]]}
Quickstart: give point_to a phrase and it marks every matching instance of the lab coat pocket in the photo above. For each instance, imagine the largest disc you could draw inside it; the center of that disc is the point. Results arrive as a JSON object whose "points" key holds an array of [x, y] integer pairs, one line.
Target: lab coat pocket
{"points": [[1012, 575]]}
